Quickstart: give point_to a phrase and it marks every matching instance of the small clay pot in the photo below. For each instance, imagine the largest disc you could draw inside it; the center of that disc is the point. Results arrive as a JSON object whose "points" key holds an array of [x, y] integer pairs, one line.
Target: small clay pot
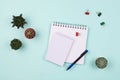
{"points": [[101, 62], [15, 44], [29, 33]]}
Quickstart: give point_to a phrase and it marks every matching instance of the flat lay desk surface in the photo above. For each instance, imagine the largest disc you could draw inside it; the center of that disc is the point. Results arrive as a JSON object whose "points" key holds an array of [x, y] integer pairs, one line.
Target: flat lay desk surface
{"points": [[28, 63]]}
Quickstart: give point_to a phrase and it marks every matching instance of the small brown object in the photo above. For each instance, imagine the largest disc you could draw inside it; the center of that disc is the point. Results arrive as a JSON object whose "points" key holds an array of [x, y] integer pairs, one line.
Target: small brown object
{"points": [[29, 33], [87, 12]]}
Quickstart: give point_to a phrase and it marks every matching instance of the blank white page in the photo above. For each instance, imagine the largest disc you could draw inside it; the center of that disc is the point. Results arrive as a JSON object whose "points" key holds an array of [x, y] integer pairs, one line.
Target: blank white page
{"points": [[58, 48]]}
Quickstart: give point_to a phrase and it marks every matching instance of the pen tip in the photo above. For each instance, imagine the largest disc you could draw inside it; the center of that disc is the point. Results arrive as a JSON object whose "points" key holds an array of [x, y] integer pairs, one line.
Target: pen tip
{"points": [[86, 50], [67, 69]]}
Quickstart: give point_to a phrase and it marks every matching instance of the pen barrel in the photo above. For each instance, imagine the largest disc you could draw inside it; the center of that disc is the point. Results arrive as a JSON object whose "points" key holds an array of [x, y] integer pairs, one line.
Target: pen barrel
{"points": [[78, 59], [80, 56]]}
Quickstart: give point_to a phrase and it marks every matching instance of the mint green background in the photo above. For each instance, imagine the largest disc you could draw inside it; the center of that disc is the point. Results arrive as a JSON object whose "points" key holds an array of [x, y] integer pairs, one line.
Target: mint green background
{"points": [[28, 63]]}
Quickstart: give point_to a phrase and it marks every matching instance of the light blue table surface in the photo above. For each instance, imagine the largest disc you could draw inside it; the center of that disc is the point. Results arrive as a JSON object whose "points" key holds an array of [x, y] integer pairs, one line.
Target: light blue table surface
{"points": [[28, 63]]}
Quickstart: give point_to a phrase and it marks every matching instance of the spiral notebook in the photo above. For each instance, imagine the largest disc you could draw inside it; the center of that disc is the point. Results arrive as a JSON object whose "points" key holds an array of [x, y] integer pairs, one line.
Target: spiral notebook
{"points": [[66, 43]]}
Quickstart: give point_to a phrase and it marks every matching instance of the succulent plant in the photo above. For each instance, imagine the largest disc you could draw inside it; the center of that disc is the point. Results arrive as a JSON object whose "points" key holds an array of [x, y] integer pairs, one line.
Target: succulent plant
{"points": [[101, 62], [18, 21], [15, 44], [29, 33]]}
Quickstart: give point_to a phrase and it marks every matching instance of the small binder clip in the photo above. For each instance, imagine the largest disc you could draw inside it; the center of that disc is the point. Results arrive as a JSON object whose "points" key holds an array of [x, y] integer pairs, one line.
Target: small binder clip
{"points": [[87, 12], [99, 14], [77, 34], [102, 23]]}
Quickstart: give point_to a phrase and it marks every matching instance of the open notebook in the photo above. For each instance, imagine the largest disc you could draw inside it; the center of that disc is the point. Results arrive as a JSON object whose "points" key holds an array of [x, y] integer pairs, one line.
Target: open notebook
{"points": [[66, 43]]}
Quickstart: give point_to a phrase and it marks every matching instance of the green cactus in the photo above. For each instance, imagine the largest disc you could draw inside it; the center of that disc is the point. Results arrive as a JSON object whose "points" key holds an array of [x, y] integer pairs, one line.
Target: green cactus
{"points": [[101, 62], [15, 44], [18, 21]]}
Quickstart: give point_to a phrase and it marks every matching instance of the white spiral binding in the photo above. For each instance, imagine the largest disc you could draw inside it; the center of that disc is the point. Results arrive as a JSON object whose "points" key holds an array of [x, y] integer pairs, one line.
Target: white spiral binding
{"points": [[67, 25]]}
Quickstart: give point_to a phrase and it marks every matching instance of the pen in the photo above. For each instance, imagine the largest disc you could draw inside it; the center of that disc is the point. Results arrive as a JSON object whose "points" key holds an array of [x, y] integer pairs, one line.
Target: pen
{"points": [[77, 59]]}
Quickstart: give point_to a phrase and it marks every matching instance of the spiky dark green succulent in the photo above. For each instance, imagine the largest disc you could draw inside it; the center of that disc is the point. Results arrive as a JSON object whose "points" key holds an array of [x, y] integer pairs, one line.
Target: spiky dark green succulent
{"points": [[15, 44], [18, 21]]}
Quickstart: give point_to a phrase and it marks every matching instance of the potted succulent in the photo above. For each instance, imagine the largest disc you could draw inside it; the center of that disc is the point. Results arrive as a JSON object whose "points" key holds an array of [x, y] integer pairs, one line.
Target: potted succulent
{"points": [[15, 44], [18, 21], [29, 33], [101, 62]]}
